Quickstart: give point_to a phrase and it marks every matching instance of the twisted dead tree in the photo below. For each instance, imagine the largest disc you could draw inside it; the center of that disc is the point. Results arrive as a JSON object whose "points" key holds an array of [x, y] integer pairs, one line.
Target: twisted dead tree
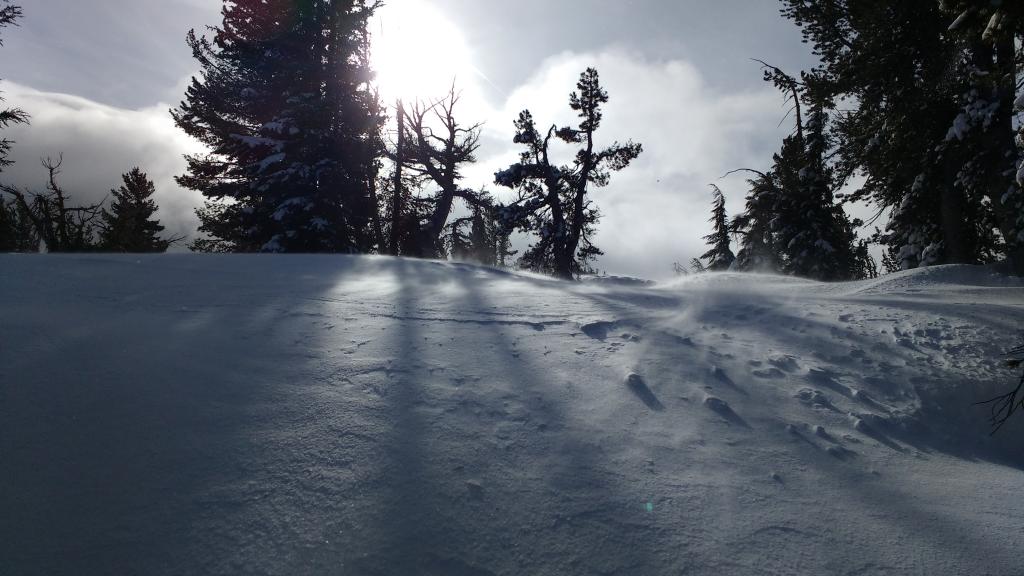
{"points": [[64, 228], [432, 147]]}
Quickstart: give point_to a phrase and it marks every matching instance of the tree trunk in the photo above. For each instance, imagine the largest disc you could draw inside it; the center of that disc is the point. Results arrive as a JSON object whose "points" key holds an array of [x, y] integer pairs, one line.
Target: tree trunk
{"points": [[1009, 214], [953, 205], [396, 203]]}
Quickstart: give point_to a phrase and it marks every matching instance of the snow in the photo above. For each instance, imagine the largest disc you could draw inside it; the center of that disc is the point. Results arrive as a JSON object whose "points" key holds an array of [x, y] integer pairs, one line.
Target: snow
{"points": [[959, 20], [271, 160], [268, 414], [257, 142]]}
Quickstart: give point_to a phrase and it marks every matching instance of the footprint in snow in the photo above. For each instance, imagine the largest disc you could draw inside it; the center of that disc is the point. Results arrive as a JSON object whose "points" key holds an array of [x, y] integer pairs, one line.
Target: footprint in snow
{"points": [[815, 399], [770, 373], [722, 408], [784, 362], [598, 330], [637, 385]]}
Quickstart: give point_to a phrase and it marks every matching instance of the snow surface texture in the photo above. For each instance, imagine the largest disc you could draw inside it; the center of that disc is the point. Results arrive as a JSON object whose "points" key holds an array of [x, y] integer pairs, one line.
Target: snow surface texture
{"points": [[186, 414]]}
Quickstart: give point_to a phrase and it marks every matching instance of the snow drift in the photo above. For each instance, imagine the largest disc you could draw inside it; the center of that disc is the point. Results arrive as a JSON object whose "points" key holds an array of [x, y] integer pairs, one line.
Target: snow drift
{"points": [[186, 414]]}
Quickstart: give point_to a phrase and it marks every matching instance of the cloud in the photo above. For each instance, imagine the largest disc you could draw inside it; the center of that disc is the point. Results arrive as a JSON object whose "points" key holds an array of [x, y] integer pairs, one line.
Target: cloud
{"points": [[99, 143], [655, 211]]}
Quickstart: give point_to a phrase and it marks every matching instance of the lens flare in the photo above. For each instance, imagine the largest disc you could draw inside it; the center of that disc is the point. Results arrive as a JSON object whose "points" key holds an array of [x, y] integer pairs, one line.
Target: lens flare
{"points": [[417, 52]]}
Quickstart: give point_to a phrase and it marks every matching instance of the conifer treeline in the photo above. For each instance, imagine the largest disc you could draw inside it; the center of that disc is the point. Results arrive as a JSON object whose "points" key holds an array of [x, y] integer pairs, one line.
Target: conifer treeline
{"points": [[286, 106], [921, 99], [31, 219]]}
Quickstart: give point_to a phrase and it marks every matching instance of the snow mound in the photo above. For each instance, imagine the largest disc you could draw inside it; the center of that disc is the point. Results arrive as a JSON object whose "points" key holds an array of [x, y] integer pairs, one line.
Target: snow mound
{"points": [[211, 414], [935, 278]]}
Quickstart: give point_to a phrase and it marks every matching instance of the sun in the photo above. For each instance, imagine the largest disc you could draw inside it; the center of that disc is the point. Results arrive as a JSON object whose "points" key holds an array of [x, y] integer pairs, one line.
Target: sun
{"points": [[417, 52]]}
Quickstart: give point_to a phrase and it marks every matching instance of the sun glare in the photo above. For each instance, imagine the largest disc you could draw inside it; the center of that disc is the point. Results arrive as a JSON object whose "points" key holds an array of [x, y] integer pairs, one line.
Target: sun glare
{"points": [[417, 52]]}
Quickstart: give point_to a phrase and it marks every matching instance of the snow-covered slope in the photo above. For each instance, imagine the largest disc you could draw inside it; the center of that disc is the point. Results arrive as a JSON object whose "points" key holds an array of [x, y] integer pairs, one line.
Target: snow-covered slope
{"points": [[186, 414]]}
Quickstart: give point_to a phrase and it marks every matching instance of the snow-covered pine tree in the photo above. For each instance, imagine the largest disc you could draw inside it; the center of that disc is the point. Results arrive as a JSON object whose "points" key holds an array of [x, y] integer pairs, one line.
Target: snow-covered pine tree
{"points": [[758, 252], [129, 225], [982, 137], [720, 256], [907, 77], [554, 200], [817, 237], [793, 220], [284, 104]]}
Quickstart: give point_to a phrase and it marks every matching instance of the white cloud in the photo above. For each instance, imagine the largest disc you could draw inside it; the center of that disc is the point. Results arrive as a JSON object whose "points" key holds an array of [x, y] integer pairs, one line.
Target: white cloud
{"points": [[99, 143]]}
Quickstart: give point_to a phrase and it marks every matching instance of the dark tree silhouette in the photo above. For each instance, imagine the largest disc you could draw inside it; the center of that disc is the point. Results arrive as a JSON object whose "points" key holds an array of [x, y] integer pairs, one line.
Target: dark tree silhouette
{"points": [[17, 232], [285, 106], [129, 225], [61, 226], [9, 16], [433, 147], [720, 256], [794, 221], [928, 90], [554, 200]]}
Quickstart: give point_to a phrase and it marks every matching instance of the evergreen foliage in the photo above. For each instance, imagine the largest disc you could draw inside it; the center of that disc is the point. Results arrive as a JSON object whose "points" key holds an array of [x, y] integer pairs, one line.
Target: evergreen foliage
{"points": [[17, 233], [720, 256], [284, 104], [758, 251], [928, 90], [129, 225], [9, 16], [553, 200], [793, 222]]}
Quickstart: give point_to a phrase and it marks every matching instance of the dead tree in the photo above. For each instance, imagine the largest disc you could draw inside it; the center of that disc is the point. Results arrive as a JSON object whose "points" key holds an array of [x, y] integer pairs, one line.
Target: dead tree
{"points": [[433, 147], [1004, 406], [62, 227]]}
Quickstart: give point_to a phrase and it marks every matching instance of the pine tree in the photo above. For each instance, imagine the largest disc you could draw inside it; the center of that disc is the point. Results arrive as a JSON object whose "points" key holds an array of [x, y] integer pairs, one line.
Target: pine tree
{"points": [[554, 200], [17, 232], [458, 241], [816, 236], [793, 221], [129, 225], [758, 252], [930, 86], [284, 104], [982, 136], [9, 16], [483, 237], [720, 256]]}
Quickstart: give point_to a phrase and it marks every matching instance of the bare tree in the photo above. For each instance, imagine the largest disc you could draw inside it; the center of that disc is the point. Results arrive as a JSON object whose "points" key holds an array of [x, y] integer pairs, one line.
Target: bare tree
{"points": [[64, 228], [433, 147], [1004, 406]]}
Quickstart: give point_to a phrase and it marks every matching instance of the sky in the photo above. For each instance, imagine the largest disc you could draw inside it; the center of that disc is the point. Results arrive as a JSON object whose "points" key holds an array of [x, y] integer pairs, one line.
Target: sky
{"points": [[99, 78]]}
